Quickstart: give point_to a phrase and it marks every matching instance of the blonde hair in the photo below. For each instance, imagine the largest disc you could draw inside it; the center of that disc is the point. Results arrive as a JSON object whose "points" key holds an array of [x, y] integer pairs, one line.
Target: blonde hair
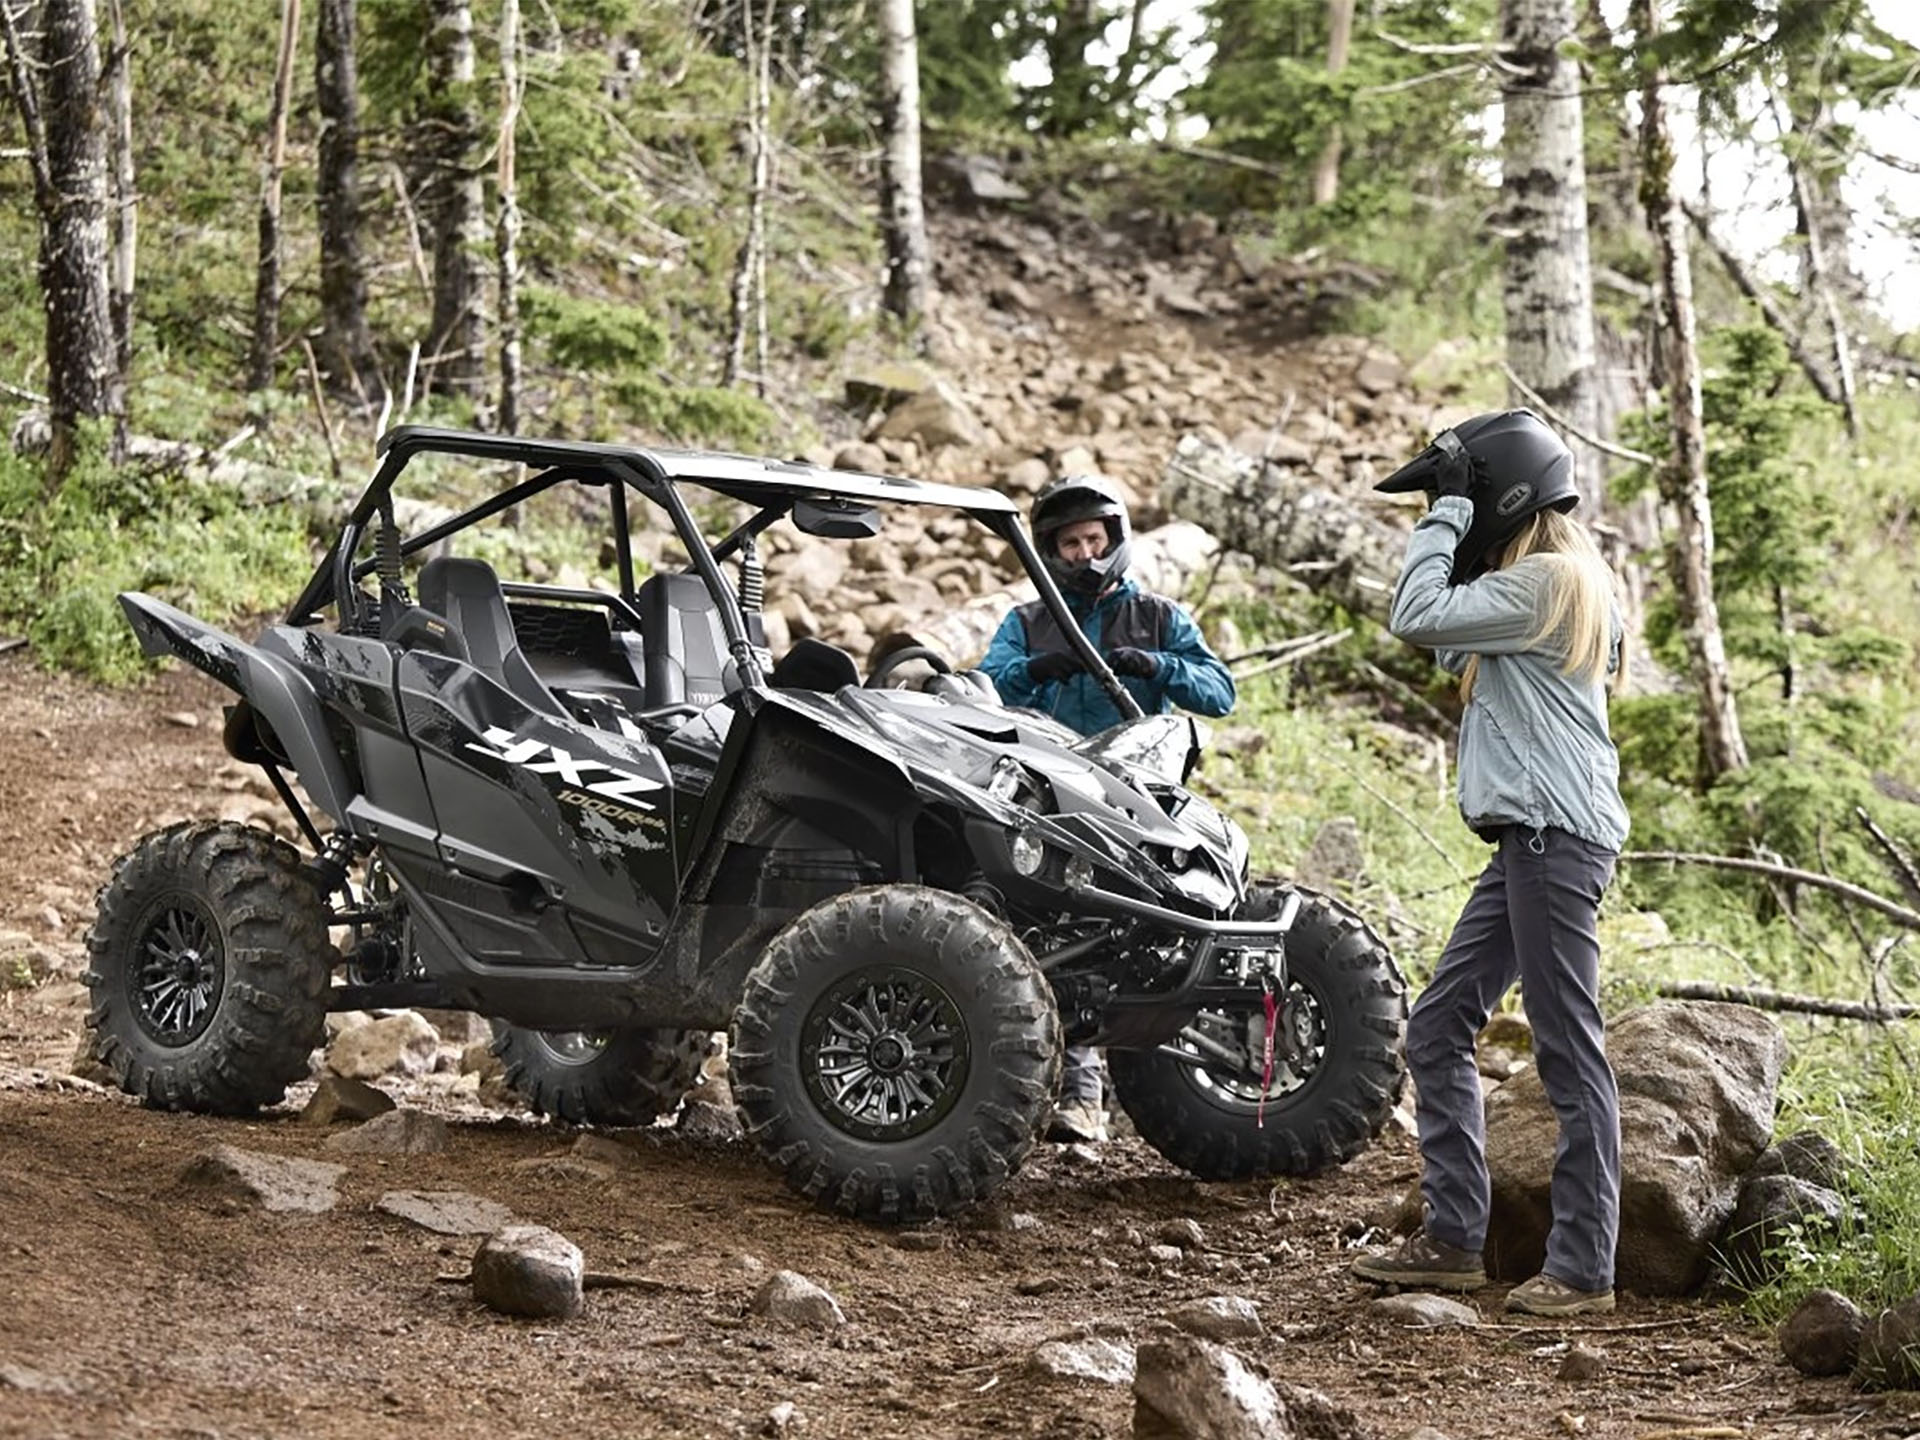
{"points": [[1578, 616]]}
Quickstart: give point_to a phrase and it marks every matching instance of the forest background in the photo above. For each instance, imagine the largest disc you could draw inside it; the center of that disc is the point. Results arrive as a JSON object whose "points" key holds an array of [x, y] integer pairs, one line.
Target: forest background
{"points": [[266, 232]]}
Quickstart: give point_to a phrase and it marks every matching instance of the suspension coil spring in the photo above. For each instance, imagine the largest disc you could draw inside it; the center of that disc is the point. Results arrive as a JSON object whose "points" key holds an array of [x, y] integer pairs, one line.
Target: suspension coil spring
{"points": [[753, 577]]}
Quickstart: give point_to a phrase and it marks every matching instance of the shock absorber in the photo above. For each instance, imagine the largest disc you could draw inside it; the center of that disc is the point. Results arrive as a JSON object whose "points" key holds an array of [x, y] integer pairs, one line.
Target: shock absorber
{"points": [[753, 577]]}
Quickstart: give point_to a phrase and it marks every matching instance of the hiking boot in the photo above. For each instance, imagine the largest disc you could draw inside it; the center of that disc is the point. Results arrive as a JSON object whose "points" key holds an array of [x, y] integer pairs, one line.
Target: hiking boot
{"points": [[1544, 1295], [1077, 1122], [1424, 1263]]}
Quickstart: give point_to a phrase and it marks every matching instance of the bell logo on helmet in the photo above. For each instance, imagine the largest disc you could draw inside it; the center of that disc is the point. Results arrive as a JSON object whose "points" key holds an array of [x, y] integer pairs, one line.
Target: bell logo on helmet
{"points": [[1513, 498]]}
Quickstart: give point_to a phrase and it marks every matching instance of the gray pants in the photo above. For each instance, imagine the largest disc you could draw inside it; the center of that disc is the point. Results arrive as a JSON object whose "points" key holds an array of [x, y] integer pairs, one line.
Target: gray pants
{"points": [[1080, 1076], [1531, 918]]}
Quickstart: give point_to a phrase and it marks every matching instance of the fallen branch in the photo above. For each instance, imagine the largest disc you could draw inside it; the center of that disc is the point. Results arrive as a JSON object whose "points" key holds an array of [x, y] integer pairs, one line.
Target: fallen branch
{"points": [[1902, 866], [1769, 308], [1314, 645], [1533, 398], [1894, 911], [1781, 1000]]}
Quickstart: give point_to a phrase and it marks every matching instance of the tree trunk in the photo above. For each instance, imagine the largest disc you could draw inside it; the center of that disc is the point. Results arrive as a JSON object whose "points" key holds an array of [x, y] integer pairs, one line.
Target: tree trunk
{"points": [[266, 285], [1819, 279], [1326, 173], [902, 216], [66, 146], [454, 203], [1287, 519], [1683, 476], [1549, 278], [126, 215], [507, 231], [345, 344], [749, 269]]}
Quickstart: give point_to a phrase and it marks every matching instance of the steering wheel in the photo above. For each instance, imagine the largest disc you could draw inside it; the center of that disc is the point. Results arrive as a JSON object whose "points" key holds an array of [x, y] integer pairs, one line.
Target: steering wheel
{"points": [[894, 661]]}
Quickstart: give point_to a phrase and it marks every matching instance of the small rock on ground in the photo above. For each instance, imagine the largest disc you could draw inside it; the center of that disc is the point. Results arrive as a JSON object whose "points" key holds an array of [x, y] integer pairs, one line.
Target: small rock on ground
{"points": [[1582, 1363], [1219, 1317], [397, 1132], [273, 1182], [1422, 1309], [529, 1270], [1105, 1362], [1822, 1336], [446, 1212], [1185, 1386], [796, 1300], [337, 1098]]}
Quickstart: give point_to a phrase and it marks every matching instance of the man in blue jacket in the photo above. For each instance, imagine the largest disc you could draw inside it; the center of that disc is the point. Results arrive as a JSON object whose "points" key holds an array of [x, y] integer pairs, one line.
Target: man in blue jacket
{"points": [[1080, 529]]}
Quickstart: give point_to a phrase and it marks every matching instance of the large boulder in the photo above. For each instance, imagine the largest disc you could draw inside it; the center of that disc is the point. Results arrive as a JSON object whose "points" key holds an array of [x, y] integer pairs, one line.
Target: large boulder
{"points": [[936, 416], [1697, 1084]]}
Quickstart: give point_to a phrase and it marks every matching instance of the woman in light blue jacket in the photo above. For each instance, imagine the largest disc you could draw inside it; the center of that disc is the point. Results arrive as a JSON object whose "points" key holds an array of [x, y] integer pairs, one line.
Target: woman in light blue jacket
{"points": [[1513, 595]]}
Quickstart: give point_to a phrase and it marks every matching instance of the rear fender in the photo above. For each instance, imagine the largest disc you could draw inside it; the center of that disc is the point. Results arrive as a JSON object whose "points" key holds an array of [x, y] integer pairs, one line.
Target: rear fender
{"points": [[280, 696]]}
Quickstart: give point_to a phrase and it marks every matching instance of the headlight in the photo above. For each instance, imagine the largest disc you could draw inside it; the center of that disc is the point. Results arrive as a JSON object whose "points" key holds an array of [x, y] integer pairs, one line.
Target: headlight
{"points": [[1079, 872], [1006, 781], [1179, 858], [1028, 852]]}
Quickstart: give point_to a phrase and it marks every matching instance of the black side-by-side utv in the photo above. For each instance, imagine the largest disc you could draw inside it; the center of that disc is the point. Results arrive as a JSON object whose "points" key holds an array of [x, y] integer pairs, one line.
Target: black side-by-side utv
{"points": [[613, 823]]}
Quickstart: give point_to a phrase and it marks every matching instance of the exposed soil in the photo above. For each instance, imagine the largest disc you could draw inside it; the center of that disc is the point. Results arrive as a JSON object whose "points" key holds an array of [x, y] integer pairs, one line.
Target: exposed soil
{"points": [[134, 1305]]}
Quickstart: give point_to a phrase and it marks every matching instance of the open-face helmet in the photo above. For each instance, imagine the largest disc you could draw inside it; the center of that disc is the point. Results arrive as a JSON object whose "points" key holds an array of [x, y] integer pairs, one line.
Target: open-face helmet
{"points": [[1066, 502], [1519, 467]]}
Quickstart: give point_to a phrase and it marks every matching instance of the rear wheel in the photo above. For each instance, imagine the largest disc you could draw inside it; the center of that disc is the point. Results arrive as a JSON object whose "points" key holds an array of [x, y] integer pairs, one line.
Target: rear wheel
{"points": [[1337, 1071], [209, 972], [600, 1077], [894, 1053]]}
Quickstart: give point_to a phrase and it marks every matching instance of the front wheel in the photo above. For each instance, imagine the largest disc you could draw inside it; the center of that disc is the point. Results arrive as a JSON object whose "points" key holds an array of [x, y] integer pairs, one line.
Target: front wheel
{"points": [[209, 972], [1337, 1074], [895, 1052], [600, 1077]]}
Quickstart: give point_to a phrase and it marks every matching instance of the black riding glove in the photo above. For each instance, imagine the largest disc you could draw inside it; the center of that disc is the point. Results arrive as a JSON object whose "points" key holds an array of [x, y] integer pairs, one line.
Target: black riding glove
{"points": [[1458, 473], [1141, 664], [1053, 665]]}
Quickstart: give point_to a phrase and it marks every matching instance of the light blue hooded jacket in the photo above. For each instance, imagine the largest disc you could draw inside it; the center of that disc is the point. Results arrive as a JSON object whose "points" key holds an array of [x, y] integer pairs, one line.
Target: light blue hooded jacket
{"points": [[1534, 746]]}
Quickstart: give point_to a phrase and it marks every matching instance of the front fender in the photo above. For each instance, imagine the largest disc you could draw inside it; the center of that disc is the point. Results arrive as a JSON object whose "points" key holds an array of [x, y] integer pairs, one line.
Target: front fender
{"points": [[279, 694]]}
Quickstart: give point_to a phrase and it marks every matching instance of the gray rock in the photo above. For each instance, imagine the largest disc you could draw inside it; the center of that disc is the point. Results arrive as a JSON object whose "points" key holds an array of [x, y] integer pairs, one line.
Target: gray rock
{"points": [[446, 1212], [796, 1300], [862, 457], [1416, 1308], [935, 417], [273, 1182], [1823, 1335], [1336, 857], [880, 387], [529, 1270], [1106, 1362], [1184, 1232], [397, 1132], [1314, 1416], [1219, 1317], [1164, 1254], [402, 1044], [567, 1169], [1697, 1084], [1890, 1348], [705, 1120], [337, 1098], [1510, 1030], [782, 1418], [1187, 1387], [1769, 1209], [34, 1382], [1808, 1156], [1582, 1363]]}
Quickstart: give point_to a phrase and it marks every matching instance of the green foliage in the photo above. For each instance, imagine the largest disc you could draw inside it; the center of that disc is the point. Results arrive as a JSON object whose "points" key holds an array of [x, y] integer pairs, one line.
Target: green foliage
{"points": [[1269, 96], [196, 545], [1870, 1107]]}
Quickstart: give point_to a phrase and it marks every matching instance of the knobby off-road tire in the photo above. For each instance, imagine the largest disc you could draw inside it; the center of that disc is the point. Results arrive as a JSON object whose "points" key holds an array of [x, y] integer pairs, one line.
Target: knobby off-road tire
{"points": [[210, 965], [610, 1077], [895, 1052], [1321, 1111]]}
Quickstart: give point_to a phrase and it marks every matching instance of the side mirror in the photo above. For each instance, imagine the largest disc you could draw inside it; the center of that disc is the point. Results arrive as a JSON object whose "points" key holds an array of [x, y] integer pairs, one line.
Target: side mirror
{"points": [[836, 519]]}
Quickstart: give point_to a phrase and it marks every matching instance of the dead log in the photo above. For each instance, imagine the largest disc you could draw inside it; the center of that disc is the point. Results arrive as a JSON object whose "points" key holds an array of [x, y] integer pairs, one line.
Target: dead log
{"points": [[1879, 904], [1781, 1000], [1286, 518]]}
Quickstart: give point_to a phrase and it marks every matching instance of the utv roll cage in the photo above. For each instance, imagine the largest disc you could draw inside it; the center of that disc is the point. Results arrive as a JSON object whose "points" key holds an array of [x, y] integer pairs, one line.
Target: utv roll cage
{"points": [[775, 487]]}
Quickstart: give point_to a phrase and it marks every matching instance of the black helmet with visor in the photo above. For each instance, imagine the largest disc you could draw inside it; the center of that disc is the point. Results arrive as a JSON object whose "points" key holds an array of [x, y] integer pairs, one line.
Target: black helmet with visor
{"points": [[1068, 502]]}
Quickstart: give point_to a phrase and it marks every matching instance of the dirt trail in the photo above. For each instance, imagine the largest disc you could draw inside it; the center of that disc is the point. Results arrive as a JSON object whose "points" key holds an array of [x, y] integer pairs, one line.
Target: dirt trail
{"points": [[132, 1305]]}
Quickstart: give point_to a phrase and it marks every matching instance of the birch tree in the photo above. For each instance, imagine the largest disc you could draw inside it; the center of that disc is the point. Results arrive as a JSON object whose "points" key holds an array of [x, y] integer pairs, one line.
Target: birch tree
{"points": [[266, 286], [125, 228], [57, 93], [1548, 286], [455, 202], [1683, 474], [1326, 171], [507, 227], [750, 265], [902, 214], [345, 344]]}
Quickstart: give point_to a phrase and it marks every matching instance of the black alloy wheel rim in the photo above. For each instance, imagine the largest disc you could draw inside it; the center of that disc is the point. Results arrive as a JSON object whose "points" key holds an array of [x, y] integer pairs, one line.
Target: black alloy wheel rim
{"points": [[1301, 1012], [884, 1054], [178, 973]]}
